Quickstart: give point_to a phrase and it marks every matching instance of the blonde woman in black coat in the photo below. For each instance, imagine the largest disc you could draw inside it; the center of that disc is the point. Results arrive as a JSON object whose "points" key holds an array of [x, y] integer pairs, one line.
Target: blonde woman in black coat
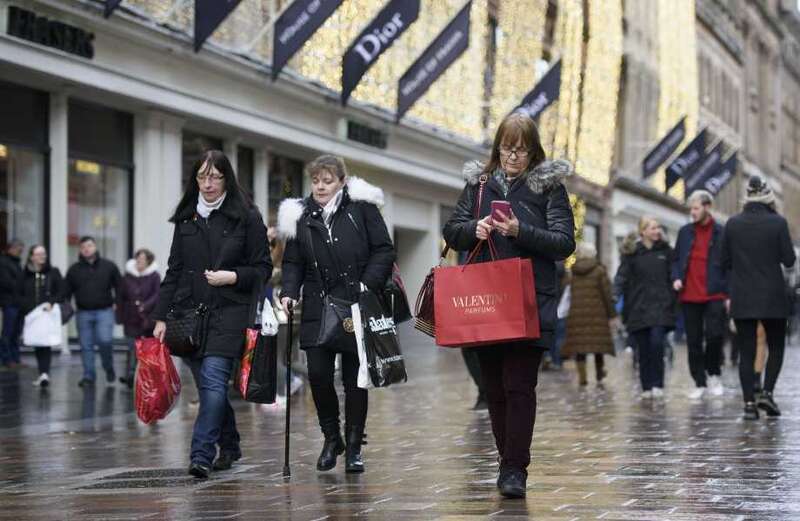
{"points": [[336, 241]]}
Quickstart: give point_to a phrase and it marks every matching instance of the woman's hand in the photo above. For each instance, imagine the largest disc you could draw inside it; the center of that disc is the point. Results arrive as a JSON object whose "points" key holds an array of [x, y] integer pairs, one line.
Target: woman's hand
{"points": [[160, 330], [507, 226], [484, 228], [221, 278], [288, 303]]}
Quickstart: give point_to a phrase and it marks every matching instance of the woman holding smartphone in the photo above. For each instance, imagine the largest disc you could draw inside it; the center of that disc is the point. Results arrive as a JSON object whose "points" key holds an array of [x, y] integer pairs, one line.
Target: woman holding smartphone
{"points": [[524, 207]]}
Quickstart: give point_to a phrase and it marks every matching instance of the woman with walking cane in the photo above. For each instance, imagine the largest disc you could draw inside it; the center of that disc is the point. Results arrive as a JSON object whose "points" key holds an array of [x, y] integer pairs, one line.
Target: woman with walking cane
{"points": [[336, 241], [538, 226], [218, 259]]}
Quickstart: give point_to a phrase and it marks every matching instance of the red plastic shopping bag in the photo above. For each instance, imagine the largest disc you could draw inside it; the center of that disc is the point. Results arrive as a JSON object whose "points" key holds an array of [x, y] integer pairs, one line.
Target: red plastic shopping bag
{"points": [[485, 303], [157, 382]]}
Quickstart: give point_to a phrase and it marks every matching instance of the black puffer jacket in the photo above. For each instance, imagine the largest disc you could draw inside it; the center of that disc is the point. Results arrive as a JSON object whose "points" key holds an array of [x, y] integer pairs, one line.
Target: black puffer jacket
{"points": [[227, 241], [39, 287], [547, 228], [10, 279], [357, 249], [754, 245], [643, 279]]}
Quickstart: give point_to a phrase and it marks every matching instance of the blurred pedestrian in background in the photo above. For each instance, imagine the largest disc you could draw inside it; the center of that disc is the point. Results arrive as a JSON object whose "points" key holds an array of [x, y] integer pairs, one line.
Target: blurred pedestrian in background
{"points": [[643, 279], [10, 282], [699, 279], [136, 299], [42, 284], [755, 244], [591, 314]]}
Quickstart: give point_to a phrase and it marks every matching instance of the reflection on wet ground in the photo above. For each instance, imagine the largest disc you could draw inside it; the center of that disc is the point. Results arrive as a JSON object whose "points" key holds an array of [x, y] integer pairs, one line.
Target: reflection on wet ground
{"points": [[598, 454]]}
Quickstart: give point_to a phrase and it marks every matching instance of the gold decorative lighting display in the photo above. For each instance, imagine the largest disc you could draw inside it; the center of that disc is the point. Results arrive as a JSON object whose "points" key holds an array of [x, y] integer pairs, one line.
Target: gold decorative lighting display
{"points": [[601, 80], [677, 74]]}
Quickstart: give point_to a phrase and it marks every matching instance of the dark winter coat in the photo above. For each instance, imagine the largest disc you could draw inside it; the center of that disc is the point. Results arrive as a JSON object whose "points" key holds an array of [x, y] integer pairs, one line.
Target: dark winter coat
{"points": [[716, 281], [38, 287], [10, 278], [231, 239], [644, 280], [93, 283], [546, 235], [137, 298], [357, 249], [755, 244], [591, 308]]}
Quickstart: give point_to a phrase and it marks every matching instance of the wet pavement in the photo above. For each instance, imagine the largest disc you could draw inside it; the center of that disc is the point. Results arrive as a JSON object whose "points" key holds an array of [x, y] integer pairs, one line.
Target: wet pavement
{"points": [[597, 454]]}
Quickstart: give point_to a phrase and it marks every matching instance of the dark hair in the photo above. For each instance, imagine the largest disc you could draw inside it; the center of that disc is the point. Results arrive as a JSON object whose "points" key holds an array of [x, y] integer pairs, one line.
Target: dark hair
{"points": [[87, 238], [149, 255], [30, 252], [516, 127], [213, 159], [327, 162]]}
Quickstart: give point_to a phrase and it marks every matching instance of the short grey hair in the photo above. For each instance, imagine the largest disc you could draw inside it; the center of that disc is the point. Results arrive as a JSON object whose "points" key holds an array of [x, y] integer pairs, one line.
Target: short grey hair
{"points": [[327, 163], [585, 250], [701, 196]]}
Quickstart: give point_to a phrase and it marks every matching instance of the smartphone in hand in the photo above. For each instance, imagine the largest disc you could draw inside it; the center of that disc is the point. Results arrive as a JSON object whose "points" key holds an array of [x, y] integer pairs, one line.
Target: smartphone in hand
{"points": [[501, 210]]}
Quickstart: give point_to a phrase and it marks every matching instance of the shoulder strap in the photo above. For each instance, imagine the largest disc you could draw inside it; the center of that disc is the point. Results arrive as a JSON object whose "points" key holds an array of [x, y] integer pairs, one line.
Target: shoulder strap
{"points": [[476, 210], [314, 260]]}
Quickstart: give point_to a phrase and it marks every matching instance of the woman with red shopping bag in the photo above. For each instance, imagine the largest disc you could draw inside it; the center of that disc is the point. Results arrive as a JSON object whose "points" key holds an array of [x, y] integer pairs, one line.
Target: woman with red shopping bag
{"points": [[539, 226]]}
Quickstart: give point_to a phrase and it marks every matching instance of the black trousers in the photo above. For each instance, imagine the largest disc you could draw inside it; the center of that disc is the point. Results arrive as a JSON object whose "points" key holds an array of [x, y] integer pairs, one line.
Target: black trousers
{"points": [[704, 322], [43, 357], [510, 374], [650, 343], [473, 364], [746, 342], [321, 366]]}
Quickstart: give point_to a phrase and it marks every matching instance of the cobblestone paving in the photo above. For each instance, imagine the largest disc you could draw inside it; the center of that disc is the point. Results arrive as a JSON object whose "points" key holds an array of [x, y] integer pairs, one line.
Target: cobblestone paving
{"points": [[598, 454]]}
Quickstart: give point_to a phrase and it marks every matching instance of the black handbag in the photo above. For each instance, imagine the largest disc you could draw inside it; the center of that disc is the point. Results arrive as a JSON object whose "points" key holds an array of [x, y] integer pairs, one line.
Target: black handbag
{"points": [[186, 330], [395, 298], [336, 320]]}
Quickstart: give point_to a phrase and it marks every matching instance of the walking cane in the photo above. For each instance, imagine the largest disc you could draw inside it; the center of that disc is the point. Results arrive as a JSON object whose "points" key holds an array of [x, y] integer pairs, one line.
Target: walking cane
{"points": [[287, 472]]}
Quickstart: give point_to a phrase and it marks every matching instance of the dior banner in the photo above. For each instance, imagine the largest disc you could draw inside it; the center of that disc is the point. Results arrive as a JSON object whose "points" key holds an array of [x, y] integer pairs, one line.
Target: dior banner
{"points": [[544, 94], [208, 14], [717, 181], [295, 26], [665, 148], [434, 61], [709, 165], [111, 5], [689, 158], [374, 40]]}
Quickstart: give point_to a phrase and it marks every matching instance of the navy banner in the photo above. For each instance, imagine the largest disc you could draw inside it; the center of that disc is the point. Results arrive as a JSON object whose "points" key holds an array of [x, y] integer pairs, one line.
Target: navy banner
{"points": [[111, 5], [687, 160], [708, 166], [373, 41], [208, 14], [716, 182], [432, 63], [544, 94], [295, 26], [664, 148]]}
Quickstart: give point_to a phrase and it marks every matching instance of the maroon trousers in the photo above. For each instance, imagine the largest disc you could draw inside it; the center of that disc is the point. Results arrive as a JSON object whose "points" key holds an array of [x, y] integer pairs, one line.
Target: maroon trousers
{"points": [[510, 373]]}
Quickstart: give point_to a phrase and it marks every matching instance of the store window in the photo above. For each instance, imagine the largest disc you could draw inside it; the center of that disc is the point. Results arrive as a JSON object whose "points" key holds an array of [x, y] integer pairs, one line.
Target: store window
{"points": [[285, 180], [100, 179], [245, 168], [23, 164], [194, 145]]}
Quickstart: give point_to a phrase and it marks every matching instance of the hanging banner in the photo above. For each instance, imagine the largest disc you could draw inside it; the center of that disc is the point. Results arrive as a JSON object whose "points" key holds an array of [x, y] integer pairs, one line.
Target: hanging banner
{"points": [[373, 41], [664, 149], [722, 177], [683, 165], [432, 63], [544, 94], [208, 14], [295, 26], [111, 5], [708, 166]]}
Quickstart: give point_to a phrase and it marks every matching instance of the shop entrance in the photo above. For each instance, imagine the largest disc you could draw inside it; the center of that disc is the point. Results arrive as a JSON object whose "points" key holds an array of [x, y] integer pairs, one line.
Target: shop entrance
{"points": [[414, 258]]}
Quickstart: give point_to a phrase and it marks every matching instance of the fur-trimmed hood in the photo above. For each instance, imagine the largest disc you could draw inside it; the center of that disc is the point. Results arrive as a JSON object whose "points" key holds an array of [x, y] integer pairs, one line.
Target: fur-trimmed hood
{"points": [[291, 210], [130, 269], [541, 178]]}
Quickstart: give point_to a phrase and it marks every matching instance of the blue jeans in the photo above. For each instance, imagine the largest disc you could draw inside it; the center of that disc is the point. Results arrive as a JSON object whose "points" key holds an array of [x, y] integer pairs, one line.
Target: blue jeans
{"points": [[650, 342], [215, 423], [561, 335], [95, 328], [9, 343]]}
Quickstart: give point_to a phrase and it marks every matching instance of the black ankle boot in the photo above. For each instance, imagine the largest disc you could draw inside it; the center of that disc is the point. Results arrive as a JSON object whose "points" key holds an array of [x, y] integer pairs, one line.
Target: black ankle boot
{"points": [[332, 448], [512, 483], [750, 411], [355, 439], [767, 403]]}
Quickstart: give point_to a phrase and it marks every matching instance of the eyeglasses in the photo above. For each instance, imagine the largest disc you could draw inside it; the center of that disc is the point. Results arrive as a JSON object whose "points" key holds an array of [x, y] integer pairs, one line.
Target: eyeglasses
{"points": [[216, 178], [521, 153]]}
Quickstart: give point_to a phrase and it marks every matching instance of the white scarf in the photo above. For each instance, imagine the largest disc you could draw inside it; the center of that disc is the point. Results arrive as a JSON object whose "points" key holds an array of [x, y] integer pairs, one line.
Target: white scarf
{"points": [[331, 207], [204, 208]]}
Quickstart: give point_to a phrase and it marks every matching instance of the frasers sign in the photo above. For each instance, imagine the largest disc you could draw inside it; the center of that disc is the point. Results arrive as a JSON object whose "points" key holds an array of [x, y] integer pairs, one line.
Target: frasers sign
{"points": [[50, 33]]}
